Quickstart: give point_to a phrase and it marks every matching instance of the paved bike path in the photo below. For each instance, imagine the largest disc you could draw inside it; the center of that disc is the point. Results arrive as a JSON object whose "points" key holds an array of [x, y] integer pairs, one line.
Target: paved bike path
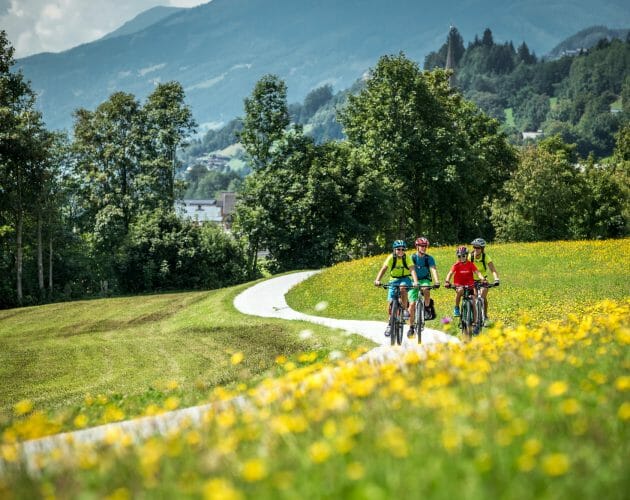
{"points": [[267, 299]]}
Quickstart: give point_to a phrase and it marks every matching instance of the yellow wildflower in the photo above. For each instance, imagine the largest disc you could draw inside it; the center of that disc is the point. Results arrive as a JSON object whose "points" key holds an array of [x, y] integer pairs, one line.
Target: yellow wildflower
{"points": [[557, 388], [80, 421], [555, 464], [171, 403], [254, 470], [220, 489], [23, 407], [622, 383], [624, 411], [570, 406], [319, 451], [532, 380], [237, 358]]}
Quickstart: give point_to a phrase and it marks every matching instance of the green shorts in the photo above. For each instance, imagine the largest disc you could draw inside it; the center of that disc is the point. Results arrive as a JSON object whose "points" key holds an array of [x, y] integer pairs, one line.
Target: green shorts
{"points": [[413, 293]]}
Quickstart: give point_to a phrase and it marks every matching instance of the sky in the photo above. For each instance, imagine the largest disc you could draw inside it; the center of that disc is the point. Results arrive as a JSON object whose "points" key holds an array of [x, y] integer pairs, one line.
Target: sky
{"points": [[35, 26]]}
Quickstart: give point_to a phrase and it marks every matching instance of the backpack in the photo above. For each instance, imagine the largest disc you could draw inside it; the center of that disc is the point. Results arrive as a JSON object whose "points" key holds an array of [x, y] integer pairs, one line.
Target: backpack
{"points": [[414, 258], [405, 265], [483, 260]]}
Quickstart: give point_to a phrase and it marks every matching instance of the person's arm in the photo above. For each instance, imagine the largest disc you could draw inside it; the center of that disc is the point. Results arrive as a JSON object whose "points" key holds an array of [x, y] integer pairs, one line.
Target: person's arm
{"points": [[494, 271], [447, 281], [414, 275], [436, 278], [377, 281], [480, 276]]}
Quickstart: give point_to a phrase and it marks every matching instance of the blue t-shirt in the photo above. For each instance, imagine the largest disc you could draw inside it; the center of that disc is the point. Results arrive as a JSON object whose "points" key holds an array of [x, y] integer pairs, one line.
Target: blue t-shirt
{"points": [[423, 263]]}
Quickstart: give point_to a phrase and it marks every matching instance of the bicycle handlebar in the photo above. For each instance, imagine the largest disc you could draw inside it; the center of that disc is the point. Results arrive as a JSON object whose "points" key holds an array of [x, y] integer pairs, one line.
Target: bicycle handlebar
{"points": [[486, 285]]}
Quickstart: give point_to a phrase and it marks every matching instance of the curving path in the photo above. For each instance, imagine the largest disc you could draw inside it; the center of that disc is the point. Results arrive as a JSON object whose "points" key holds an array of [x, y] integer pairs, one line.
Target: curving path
{"points": [[267, 299]]}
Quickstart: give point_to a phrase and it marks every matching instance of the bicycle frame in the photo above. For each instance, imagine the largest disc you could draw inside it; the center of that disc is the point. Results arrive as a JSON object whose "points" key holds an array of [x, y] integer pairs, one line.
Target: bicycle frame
{"points": [[396, 321], [419, 320], [466, 319]]}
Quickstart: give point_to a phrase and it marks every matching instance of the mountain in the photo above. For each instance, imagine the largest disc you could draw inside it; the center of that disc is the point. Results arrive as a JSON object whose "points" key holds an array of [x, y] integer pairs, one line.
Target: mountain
{"points": [[587, 38], [143, 20], [220, 49]]}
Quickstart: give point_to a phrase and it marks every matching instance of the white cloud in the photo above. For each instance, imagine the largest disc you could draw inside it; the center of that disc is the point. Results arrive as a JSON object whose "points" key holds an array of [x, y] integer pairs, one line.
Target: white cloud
{"points": [[55, 25]]}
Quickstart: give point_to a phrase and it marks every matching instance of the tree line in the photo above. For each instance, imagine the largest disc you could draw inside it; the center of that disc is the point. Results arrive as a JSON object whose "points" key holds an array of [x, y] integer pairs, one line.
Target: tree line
{"points": [[96, 213], [419, 159]]}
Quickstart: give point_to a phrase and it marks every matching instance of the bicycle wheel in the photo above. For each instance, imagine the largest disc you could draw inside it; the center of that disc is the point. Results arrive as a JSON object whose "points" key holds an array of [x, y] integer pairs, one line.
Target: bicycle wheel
{"points": [[400, 324], [393, 324], [481, 317], [419, 318], [467, 318]]}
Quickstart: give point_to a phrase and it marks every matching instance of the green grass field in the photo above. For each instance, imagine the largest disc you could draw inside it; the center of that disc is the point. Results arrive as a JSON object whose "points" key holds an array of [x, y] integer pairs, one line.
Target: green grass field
{"points": [[538, 280], [538, 407], [135, 353]]}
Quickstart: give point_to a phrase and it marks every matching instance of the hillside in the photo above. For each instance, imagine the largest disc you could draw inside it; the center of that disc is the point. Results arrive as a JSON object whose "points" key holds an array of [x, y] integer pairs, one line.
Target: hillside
{"points": [[142, 21], [220, 49]]}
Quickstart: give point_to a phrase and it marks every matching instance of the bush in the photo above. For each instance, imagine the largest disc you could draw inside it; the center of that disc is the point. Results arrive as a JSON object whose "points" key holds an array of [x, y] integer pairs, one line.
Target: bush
{"points": [[164, 252]]}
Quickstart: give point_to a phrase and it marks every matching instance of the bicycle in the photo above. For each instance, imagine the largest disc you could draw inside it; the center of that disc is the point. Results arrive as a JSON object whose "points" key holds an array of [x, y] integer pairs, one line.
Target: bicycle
{"points": [[419, 322], [396, 318], [466, 318], [480, 305]]}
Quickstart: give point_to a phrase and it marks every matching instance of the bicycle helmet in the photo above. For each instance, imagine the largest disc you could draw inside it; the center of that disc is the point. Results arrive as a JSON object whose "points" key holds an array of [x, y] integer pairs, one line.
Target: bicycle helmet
{"points": [[461, 251], [422, 241], [478, 242], [399, 244]]}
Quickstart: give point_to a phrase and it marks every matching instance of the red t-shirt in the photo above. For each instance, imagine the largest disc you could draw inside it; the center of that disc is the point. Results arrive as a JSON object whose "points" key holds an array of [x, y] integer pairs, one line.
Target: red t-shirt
{"points": [[463, 273]]}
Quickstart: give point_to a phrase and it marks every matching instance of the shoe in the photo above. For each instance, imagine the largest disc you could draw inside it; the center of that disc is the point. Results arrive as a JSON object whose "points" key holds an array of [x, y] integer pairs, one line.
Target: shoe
{"points": [[412, 332], [456, 312], [405, 315], [428, 314], [387, 331], [487, 322], [476, 330]]}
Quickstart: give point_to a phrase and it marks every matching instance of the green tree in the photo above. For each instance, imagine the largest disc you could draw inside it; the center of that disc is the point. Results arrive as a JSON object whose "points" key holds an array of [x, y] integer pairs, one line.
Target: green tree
{"points": [[266, 119], [20, 155], [437, 156], [543, 198], [168, 122]]}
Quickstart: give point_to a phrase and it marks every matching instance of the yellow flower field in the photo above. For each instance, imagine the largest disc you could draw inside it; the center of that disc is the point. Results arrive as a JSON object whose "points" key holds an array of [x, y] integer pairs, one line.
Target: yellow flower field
{"points": [[529, 411]]}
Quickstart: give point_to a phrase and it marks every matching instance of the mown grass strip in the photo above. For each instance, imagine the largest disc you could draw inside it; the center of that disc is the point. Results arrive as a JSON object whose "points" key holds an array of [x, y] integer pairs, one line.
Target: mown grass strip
{"points": [[117, 358]]}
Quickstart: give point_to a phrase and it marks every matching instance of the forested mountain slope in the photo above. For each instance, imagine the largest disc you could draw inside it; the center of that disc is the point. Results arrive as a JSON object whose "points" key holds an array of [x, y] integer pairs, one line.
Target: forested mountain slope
{"points": [[220, 49]]}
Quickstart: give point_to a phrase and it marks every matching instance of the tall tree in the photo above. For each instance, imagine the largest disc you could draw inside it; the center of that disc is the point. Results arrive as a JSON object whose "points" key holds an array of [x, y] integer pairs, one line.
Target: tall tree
{"points": [[433, 151], [264, 126], [18, 151], [266, 119], [168, 122], [543, 197]]}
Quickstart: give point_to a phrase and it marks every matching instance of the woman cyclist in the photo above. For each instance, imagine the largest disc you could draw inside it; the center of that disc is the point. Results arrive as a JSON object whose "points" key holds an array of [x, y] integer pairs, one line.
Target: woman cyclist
{"points": [[483, 262], [463, 273], [400, 269]]}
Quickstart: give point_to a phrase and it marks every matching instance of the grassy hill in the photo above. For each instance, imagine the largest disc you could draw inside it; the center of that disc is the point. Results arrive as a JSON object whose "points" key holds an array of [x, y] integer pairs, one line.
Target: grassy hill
{"points": [[524, 412]]}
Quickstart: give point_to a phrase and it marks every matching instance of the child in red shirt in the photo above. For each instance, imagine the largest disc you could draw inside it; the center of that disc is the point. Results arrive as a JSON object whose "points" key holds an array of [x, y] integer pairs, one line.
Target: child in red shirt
{"points": [[463, 273]]}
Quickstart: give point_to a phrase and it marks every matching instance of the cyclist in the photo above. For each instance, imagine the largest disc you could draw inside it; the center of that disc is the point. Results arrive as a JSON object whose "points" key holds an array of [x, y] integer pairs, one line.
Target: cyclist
{"points": [[463, 273], [400, 269], [426, 272], [483, 262]]}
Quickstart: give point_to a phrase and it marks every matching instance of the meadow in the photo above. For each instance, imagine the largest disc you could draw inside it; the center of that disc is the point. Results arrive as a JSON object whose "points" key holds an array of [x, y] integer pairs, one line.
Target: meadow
{"points": [[538, 407], [539, 281]]}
